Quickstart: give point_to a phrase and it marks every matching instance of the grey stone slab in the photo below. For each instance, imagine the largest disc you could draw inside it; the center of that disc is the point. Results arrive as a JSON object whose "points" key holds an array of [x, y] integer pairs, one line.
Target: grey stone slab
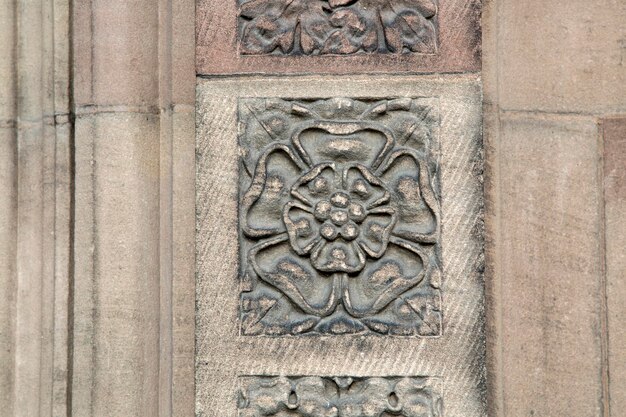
{"points": [[231, 111]]}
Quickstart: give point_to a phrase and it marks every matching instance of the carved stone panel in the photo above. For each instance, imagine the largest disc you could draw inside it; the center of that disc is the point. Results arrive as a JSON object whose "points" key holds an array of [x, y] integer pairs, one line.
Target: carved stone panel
{"points": [[339, 216], [314, 396], [293, 27], [337, 36], [339, 247]]}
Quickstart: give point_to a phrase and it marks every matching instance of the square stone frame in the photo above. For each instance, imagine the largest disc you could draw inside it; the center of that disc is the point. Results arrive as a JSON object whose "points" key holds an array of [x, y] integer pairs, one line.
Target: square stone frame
{"points": [[424, 293], [222, 355], [217, 47]]}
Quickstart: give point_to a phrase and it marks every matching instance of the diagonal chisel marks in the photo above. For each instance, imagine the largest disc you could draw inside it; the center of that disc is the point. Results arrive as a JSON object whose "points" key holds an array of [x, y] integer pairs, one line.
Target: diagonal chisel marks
{"points": [[462, 11], [457, 357]]}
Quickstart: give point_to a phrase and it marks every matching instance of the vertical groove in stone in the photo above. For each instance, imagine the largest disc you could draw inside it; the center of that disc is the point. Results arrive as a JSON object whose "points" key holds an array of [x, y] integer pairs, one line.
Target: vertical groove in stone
{"points": [[83, 282], [603, 293], [29, 143], [8, 231], [613, 130], [176, 101], [165, 202], [183, 83], [8, 204], [493, 279], [37, 130], [183, 291], [62, 270], [29, 343], [49, 144]]}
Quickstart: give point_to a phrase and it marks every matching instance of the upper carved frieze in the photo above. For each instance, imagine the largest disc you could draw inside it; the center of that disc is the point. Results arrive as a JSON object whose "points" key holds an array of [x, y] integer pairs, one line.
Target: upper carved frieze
{"points": [[321, 27], [339, 216]]}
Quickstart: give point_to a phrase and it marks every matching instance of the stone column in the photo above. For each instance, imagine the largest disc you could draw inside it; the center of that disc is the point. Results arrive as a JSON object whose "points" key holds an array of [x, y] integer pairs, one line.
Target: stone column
{"points": [[96, 248], [34, 216], [133, 97], [8, 202], [117, 275]]}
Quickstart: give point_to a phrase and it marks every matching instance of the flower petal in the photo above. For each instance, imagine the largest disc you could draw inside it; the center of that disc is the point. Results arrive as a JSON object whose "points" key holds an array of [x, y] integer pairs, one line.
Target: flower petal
{"points": [[315, 29], [371, 399], [338, 256], [408, 178], [339, 3], [383, 280], [276, 264], [302, 227], [310, 394], [262, 204], [316, 184], [419, 398], [364, 142], [364, 186], [408, 28], [266, 32], [375, 231]]}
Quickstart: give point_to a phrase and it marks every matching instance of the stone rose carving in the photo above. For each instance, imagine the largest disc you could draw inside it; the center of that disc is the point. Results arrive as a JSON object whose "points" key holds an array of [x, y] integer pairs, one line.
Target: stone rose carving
{"points": [[327, 223], [314, 27], [344, 222], [313, 396]]}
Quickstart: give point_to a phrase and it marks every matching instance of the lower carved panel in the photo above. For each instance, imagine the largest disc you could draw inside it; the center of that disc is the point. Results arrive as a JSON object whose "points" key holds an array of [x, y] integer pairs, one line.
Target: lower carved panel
{"points": [[315, 396]]}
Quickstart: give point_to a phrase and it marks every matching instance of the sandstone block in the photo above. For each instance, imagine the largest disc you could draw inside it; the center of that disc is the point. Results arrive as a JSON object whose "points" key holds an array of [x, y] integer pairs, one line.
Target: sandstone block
{"points": [[549, 267], [337, 36], [264, 310]]}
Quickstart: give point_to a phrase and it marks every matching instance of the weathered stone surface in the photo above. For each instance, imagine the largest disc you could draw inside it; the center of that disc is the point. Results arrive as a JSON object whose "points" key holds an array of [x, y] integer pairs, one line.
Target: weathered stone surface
{"points": [[339, 396], [117, 296], [8, 204], [561, 56], [116, 53], [546, 317], [337, 36], [8, 231], [223, 354], [553, 56], [549, 267], [614, 140], [34, 214], [341, 27], [340, 216], [183, 260], [133, 91], [117, 286]]}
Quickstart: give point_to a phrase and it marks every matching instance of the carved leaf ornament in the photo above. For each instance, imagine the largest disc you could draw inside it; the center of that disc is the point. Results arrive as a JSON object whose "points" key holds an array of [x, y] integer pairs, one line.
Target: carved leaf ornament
{"points": [[319, 27], [345, 221], [314, 396]]}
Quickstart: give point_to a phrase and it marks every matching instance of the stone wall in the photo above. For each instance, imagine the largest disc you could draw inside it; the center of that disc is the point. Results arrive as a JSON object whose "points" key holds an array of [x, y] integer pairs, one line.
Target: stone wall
{"points": [[551, 78], [97, 219]]}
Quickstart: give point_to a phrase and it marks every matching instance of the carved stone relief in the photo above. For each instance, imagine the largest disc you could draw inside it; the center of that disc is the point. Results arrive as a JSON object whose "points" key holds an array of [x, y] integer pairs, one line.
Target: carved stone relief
{"points": [[314, 396], [339, 217], [339, 246], [320, 27]]}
